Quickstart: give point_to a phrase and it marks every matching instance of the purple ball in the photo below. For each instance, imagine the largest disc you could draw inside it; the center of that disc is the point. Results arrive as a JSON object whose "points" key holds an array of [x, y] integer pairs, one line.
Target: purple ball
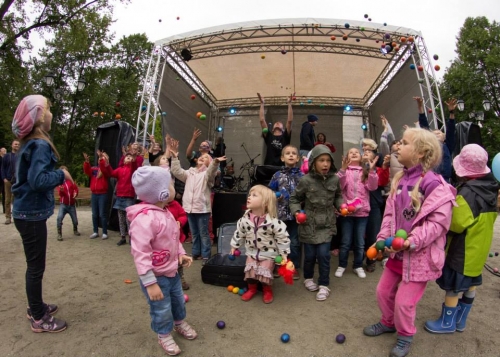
{"points": [[387, 35], [221, 324], [340, 338]]}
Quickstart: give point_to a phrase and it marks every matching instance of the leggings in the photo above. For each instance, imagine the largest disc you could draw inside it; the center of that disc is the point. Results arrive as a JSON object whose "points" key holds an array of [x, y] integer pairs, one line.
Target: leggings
{"points": [[123, 222]]}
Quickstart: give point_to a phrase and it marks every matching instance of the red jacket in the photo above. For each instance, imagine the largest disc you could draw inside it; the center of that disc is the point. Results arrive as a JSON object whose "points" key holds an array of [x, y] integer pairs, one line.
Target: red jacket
{"points": [[383, 176], [180, 216], [98, 185], [123, 174], [67, 193], [330, 146]]}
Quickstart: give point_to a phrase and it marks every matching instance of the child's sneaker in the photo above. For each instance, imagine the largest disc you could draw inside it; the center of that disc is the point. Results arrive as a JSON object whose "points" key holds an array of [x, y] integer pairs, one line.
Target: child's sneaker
{"points": [[104, 237], [48, 323], [340, 271], [311, 285], [323, 293], [49, 308], [185, 330], [94, 235], [169, 345], [360, 272]]}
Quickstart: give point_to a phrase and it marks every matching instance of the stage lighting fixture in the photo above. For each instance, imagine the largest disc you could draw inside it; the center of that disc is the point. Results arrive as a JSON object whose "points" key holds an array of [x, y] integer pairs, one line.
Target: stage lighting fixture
{"points": [[232, 111], [186, 54], [347, 108], [364, 127], [219, 129]]}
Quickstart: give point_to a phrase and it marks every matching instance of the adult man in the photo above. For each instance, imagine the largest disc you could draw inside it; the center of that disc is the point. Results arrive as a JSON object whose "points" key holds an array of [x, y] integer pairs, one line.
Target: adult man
{"points": [[205, 148], [8, 173], [278, 138], [307, 136], [3, 151]]}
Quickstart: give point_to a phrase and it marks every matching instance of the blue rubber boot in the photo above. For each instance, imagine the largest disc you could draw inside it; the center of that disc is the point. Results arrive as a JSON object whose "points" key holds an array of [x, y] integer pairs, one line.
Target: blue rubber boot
{"points": [[446, 322], [463, 312]]}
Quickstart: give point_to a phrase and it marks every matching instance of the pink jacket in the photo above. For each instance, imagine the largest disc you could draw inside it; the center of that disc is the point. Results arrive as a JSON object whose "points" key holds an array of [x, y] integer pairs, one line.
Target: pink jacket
{"points": [[154, 237], [352, 188], [196, 197], [425, 258]]}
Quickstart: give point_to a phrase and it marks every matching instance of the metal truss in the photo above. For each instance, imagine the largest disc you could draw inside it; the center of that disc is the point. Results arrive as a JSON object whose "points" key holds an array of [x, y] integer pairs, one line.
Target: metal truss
{"points": [[282, 101], [429, 87]]}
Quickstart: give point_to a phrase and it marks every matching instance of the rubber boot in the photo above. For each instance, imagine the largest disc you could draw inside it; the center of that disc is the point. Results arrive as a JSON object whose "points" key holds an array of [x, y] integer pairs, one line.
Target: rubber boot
{"points": [[75, 230], [463, 312], [446, 322], [268, 294], [252, 290], [59, 233]]}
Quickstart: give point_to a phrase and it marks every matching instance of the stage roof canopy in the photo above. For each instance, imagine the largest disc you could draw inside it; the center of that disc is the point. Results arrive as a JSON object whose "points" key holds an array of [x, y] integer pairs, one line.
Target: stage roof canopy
{"points": [[334, 62]]}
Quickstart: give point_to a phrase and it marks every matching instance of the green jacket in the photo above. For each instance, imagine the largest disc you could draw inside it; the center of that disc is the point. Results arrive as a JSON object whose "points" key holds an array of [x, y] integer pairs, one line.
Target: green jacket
{"points": [[319, 194], [471, 230]]}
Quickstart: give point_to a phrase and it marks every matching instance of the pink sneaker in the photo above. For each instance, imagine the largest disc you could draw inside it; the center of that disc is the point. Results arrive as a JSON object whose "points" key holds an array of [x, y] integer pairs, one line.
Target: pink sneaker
{"points": [[48, 323], [185, 330], [169, 345]]}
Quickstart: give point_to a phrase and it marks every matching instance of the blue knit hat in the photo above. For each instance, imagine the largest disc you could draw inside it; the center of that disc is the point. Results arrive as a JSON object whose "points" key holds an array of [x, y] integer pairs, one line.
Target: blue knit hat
{"points": [[312, 117]]}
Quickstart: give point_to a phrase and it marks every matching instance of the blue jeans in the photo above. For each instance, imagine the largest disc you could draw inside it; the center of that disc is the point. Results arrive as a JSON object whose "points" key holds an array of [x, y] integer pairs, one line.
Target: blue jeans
{"points": [[353, 228], [99, 203], [172, 308], [373, 228], [321, 253], [198, 224], [293, 232], [63, 209]]}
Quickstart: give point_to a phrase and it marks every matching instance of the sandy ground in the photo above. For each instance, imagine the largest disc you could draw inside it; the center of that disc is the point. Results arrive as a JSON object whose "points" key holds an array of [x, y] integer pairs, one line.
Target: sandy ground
{"points": [[107, 317]]}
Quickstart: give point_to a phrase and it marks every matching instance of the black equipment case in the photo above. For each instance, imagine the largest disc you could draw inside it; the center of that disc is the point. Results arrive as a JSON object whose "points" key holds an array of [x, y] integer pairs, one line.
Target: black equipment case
{"points": [[219, 269]]}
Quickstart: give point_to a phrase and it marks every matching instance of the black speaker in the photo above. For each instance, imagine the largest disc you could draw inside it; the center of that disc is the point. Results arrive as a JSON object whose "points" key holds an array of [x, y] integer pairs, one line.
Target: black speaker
{"points": [[466, 133], [186, 54], [262, 174], [227, 207]]}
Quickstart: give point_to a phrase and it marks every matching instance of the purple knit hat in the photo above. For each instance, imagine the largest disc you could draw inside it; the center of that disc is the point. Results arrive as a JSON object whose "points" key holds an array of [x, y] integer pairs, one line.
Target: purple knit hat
{"points": [[151, 184], [28, 112]]}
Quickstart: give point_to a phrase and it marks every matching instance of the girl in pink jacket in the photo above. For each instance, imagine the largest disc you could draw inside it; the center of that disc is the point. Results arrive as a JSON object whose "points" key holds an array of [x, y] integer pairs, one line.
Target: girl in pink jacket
{"points": [[356, 182], [196, 198], [420, 203], [157, 252]]}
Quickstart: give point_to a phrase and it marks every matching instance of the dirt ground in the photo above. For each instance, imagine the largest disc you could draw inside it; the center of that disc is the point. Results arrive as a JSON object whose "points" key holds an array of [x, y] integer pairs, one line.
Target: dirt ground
{"points": [[107, 317]]}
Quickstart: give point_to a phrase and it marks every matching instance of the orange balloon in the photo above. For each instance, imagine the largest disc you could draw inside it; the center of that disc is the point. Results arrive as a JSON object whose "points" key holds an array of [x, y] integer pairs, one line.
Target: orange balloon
{"points": [[394, 44], [403, 39], [102, 114], [198, 115], [371, 253], [344, 211], [411, 39], [230, 288], [333, 38], [344, 37], [437, 68], [118, 116]]}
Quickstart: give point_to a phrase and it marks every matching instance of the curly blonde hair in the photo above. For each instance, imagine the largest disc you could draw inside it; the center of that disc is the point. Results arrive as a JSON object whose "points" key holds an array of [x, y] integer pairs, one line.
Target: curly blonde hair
{"points": [[424, 143], [268, 199]]}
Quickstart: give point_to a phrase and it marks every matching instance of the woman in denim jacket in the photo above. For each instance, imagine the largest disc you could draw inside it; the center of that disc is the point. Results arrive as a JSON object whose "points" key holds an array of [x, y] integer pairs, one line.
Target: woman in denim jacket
{"points": [[34, 201]]}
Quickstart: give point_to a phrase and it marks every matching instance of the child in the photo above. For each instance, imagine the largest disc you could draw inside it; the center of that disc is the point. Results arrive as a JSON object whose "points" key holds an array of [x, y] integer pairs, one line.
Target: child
{"points": [[157, 252], [125, 194], [67, 194], [356, 182], [34, 201], [265, 238], [469, 239], [420, 202], [319, 190], [180, 217], [196, 199], [283, 183], [99, 197]]}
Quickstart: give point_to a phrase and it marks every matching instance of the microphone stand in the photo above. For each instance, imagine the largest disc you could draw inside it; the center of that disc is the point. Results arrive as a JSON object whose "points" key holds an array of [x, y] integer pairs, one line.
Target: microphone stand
{"points": [[246, 167]]}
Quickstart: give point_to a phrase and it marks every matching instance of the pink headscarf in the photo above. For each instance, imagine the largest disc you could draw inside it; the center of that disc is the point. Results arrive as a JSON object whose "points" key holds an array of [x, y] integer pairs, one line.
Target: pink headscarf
{"points": [[28, 112]]}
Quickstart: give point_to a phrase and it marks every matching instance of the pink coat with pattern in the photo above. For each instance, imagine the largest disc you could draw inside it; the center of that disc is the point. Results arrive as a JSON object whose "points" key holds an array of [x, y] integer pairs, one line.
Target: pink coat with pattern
{"points": [[352, 188], [425, 258]]}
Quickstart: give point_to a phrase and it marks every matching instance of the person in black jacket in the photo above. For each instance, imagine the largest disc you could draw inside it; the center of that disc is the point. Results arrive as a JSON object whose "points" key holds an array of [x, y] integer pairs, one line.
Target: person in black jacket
{"points": [[8, 174], [307, 136]]}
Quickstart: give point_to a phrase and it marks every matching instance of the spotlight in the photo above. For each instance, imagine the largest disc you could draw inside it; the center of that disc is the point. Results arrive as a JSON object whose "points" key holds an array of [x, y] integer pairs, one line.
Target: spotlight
{"points": [[186, 54], [232, 111], [364, 127], [219, 129], [347, 108]]}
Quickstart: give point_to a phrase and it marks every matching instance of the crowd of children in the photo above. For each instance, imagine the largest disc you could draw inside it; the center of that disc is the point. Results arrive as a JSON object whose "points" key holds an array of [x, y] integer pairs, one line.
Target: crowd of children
{"points": [[402, 187]]}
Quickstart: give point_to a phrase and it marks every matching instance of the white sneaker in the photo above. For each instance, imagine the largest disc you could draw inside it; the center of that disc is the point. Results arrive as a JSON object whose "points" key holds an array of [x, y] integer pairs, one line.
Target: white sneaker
{"points": [[323, 293], [340, 271], [94, 235], [361, 273], [310, 285], [104, 237]]}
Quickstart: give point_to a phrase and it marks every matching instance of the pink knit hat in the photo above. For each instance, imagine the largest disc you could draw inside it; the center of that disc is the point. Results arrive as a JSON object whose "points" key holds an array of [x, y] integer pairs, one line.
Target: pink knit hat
{"points": [[471, 162], [151, 184], [28, 112]]}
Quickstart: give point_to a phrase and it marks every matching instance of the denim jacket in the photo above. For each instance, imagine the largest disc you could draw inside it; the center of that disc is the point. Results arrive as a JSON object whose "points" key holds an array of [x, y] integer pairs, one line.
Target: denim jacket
{"points": [[36, 180]]}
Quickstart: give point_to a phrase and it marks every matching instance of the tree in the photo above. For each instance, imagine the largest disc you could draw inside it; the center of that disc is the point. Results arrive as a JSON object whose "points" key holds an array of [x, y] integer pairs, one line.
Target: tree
{"points": [[474, 76]]}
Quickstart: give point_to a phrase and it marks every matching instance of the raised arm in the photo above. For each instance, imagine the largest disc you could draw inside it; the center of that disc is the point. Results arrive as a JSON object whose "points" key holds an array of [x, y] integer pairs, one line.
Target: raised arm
{"points": [[189, 150], [290, 114], [450, 125], [262, 116], [422, 118]]}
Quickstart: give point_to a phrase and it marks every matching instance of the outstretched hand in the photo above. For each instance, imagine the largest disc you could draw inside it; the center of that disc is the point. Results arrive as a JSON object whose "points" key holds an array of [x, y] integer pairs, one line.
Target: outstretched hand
{"points": [[260, 98], [451, 103], [419, 100], [373, 162], [290, 98], [174, 147], [86, 157], [196, 133], [345, 162], [219, 159]]}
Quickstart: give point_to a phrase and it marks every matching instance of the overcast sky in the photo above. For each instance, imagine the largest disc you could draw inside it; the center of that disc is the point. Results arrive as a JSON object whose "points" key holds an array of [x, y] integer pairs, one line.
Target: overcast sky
{"points": [[438, 20]]}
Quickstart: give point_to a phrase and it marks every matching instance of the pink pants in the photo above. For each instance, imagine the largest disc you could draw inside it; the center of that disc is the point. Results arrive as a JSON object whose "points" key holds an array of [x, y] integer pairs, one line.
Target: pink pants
{"points": [[398, 301]]}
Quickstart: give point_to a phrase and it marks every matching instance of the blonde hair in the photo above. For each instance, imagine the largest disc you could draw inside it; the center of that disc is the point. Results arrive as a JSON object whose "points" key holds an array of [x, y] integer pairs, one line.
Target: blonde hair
{"points": [[268, 199], [38, 133], [371, 143], [289, 146], [424, 143]]}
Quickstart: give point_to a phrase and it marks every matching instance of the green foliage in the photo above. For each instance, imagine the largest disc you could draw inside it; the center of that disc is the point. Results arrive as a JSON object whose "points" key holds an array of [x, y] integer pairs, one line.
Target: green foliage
{"points": [[475, 76]]}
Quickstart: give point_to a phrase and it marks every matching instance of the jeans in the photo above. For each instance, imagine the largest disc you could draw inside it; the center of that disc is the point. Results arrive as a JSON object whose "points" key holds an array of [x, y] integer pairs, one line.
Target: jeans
{"points": [[373, 228], [293, 231], [172, 308], [321, 253], [99, 203], [9, 198], [198, 223], [63, 209], [34, 236], [353, 229]]}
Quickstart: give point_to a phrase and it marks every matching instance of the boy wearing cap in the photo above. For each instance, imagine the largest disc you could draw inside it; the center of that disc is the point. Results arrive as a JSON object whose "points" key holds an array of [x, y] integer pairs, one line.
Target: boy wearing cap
{"points": [[469, 239], [307, 136], [157, 252]]}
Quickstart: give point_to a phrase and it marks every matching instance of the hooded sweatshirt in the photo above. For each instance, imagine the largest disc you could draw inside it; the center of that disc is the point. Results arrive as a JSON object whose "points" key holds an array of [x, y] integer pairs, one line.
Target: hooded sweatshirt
{"points": [[353, 188], [471, 230], [67, 193], [98, 185]]}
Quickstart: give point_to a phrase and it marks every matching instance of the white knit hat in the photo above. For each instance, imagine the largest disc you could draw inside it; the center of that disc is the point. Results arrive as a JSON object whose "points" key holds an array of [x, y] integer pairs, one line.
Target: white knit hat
{"points": [[151, 183]]}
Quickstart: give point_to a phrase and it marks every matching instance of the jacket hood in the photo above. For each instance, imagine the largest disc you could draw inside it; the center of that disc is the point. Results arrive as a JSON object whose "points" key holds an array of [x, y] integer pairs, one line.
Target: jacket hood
{"points": [[486, 187], [317, 151], [133, 211]]}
